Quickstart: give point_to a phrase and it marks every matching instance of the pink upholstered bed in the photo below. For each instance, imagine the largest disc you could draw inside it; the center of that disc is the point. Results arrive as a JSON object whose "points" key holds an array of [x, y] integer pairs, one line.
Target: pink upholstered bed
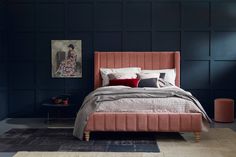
{"points": [[133, 121]]}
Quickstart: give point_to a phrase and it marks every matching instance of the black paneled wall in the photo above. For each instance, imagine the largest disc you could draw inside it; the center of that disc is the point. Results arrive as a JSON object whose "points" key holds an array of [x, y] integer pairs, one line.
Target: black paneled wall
{"points": [[3, 61], [204, 32]]}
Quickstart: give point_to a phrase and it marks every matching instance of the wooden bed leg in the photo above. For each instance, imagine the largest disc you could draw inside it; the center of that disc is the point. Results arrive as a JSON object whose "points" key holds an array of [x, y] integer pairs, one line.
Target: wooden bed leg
{"points": [[197, 136], [87, 135]]}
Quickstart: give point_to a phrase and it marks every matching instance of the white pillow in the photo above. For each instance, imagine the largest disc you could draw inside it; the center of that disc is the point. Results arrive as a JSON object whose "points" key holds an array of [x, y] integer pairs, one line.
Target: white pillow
{"points": [[113, 76], [143, 75], [106, 71], [170, 74]]}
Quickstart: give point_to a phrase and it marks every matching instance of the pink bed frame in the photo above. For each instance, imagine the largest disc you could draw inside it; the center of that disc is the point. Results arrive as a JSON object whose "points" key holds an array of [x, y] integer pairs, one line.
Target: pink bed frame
{"points": [[133, 121]]}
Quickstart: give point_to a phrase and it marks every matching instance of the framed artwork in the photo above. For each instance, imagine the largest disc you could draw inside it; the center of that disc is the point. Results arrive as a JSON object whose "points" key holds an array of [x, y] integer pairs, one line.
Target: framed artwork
{"points": [[66, 58]]}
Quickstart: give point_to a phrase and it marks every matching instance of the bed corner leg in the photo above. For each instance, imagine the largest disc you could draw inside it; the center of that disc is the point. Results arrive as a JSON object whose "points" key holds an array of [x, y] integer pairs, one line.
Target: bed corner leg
{"points": [[87, 135], [197, 136]]}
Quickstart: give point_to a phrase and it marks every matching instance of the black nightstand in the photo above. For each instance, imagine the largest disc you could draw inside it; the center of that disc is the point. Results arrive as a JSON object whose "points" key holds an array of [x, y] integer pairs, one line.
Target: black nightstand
{"points": [[57, 109]]}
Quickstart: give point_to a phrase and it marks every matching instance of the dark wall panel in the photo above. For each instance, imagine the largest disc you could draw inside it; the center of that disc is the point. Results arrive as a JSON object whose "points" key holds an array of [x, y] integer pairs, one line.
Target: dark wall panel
{"points": [[164, 41], [78, 13], [166, 15], [196, 15], [108, 41], [203, 31], [137, 41], [3, 90], [3, 105], [2, 14], [223, 45], [137, 15], [3, 76], [3, 61], [3, 43], [21, 46], [195, 71], [21, 75], [108, 15], [21, 103], [21, 16], [224, 75], [224, 15], [195, 45], [50, 16]]}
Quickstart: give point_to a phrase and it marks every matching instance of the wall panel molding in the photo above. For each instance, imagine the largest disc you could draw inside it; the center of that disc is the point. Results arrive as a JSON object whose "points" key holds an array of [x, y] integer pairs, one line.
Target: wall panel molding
{"points": [[203, 30]]}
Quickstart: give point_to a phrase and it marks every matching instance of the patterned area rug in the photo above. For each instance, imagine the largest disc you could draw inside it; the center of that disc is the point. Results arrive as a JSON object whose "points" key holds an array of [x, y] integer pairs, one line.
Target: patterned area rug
{"points": [[218, 142], [62, 140], [88, 154]]}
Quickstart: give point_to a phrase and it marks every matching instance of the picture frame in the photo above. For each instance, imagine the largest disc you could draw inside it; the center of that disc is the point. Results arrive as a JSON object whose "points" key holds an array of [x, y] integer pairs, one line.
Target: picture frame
{"points": [[66, 58]]}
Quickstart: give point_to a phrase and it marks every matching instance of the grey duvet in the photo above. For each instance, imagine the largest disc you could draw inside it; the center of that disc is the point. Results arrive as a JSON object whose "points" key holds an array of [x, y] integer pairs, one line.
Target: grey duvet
{"points": [[126, 99]]}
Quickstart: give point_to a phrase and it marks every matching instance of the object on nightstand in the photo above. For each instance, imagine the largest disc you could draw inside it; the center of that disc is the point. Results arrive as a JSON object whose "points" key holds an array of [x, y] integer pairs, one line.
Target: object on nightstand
{"points": [[62, 99], [58, 106], [65, 102], [224, 110]]}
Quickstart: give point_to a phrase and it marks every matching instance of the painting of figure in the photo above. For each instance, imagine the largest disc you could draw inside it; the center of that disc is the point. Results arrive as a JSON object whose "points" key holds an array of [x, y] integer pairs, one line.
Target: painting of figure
{"points": [[66, 58]]}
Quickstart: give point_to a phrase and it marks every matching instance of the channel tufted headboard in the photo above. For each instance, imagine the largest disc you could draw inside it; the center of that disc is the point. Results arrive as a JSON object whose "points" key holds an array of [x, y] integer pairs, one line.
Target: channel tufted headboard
{"points": [[145, 60]]}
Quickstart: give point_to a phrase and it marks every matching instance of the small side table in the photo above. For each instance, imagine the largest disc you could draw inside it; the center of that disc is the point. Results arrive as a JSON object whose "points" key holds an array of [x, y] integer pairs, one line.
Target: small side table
{"points": [[52, 108], [224, 110]]}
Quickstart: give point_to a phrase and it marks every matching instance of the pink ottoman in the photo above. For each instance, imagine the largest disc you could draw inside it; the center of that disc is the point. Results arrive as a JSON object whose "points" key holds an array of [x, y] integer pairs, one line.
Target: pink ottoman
{"points": [[224, 110]]}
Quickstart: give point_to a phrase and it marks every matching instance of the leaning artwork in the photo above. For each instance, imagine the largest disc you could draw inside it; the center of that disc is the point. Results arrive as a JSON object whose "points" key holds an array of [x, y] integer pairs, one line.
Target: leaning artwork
{"points": [[66, 58]]}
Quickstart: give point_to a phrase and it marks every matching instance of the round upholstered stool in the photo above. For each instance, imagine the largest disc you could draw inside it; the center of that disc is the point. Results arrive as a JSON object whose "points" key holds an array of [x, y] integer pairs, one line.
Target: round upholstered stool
{"points": [[224, 110]]}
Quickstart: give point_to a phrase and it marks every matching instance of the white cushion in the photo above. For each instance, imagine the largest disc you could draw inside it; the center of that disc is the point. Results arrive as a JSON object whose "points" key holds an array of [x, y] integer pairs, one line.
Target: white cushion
{"points": [[106, 71], [113, 76], [143, 75]]}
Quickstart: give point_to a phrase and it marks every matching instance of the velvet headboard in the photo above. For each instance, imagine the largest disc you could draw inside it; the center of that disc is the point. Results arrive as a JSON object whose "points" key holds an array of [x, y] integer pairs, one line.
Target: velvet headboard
{"points": [[145, 60]]}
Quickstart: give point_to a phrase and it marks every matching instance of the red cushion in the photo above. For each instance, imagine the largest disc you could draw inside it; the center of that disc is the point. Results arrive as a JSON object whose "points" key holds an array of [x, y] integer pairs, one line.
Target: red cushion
{"points": [[124, 82]]}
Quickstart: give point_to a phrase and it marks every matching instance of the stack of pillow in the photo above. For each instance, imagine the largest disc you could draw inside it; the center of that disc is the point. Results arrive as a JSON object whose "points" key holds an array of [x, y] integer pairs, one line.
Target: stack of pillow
{"points": [[135, 77]]}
